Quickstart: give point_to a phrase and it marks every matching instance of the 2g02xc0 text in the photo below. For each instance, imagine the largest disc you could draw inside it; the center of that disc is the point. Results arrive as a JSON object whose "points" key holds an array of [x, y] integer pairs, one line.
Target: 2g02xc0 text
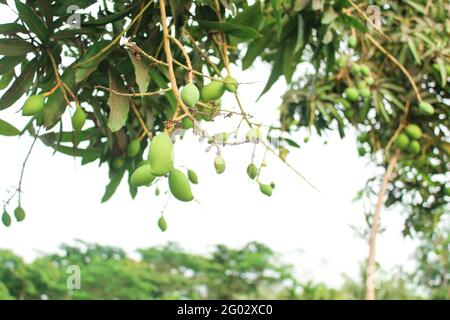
{"points": [[245, 309]]}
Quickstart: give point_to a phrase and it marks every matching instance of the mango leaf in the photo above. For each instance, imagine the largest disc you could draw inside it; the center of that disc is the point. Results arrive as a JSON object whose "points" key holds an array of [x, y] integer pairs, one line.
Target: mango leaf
{"points": [[442, 71], [238, 31], [15, 47], [8, 63], [7, 129], [77, 152], [141, 73], [113, 185], [19, 86], [277, 71], [86, 66], [56, 104], [253, 51], [12, 28], [413, 49], [111, 17], [118, 105], [251, 16], [33, 21]]}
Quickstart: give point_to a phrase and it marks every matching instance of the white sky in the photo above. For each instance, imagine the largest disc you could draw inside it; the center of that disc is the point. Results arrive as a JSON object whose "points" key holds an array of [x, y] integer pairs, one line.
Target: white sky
{"points": [[310, 229]]}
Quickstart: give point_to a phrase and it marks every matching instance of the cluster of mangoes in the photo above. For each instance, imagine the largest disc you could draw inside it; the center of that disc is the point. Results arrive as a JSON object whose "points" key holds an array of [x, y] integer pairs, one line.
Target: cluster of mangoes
{"points": [[210, 94], [19, 214], [160, 163], [34, 105], [362, 76], [253, 172], [409, 139]]}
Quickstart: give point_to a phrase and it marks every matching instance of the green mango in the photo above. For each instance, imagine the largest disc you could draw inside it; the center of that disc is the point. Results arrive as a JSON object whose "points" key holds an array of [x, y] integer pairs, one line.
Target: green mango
{"points": [[193, 178], [402, 141], [426, 108], [363, 137], [272, 185], [187, 123], [362, 85], [179, 186], [365, 70], [118, 163], [356, 69], [142, 176], [253, 135], [78, 119], [352, 41], [266, 189], [370, 81], [219, 164], [212, 91], [133, 148], [19, 213], [352, 94], [162, 224], [221, 137], [6, 219], [413, 131], [157, 192], [161, 154], [33, 105], [231, 84], [365, 93], [362, 151], [252, 171], [342, 61], [190, 95], [414, 147], [447, 192], [306, 139]]}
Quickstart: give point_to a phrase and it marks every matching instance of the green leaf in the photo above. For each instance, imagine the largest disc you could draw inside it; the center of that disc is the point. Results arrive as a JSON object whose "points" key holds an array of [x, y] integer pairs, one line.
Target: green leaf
{"points": [[416, 6], [7, 129], [33, 21], [141, 73], [118, 105], [15, 47], [12, 28], [111, 17], [329, 16], [19, 86], [442, 71], [291, 142], [77, 152], [8, 63], [277, 71], [415, 53], [251, 16], [254, 49], [84, 68], [238, 31], [56, 104], [113, 185]]}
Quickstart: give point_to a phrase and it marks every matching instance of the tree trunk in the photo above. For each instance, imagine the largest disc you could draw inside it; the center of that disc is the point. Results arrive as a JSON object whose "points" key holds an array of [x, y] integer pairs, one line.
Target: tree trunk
{"points": [[371, 266]]}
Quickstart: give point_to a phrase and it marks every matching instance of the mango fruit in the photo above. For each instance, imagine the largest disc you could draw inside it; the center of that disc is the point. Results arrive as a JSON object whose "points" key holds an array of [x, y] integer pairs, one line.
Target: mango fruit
{"points": [[356, 69], [402, 141], [365, 92], [365, 70], [19, 213], [161, 154], [352, 94], [190, 95], [426, 108], [212, 91], [362, 151], [352, 41], [118, 163], [78, 119], [133, 148], [162, 224], [179, 186], [413, 131], [193, 178], [414, 147], [6, 219], [142, 176], [231, 84], [447, 192], [219, 164], [306, 139], [253, 135], [252, 171], [370, 81], [362, 85], [187, 123], [272, 185], [157, 192], [342, 62], [34, 104], [265, 189]]}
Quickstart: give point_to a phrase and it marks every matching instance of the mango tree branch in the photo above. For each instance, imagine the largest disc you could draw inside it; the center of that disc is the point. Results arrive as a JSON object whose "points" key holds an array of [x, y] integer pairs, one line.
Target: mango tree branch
{"points": [[186, 57], [371, 267], [144, 94]]}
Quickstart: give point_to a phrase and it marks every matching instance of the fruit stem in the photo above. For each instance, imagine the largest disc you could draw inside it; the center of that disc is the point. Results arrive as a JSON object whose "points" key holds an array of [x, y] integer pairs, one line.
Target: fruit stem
{"points": [[19, 187], [371, 266]]}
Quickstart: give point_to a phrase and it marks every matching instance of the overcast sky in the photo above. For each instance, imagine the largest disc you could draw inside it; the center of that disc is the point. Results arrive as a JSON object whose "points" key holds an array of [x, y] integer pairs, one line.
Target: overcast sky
{"points": [[311, 229]]}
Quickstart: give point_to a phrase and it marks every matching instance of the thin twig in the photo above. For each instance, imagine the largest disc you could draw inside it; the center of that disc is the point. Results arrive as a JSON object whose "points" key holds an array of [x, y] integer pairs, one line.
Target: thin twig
{"points": [[144, 94]]}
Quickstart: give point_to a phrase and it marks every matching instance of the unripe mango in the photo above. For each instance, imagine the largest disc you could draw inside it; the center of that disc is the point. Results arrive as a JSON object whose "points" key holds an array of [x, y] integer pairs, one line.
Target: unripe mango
{"points": [[79, 119], [402, 141], [118, 163], [365, 92], [306, 139], [414, 147], [179, 186], [161, 154], [231, 84], [356, 69], [342, 61], [19, 213], [265, 189], [352, 41], [253, 135], [447, 192], [33, 105], [426, 108], [414, 131], [252, 171], [187, 123], [142, 176], [362, 151], [192, 176], [212, 91], [362, 85], [133, 148], [219, 164], [157, 192], [370, 81], [6, 219], [221, 137], [365, 70], [352, 94], [162, 224], [272, 185], [190, 95]]}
